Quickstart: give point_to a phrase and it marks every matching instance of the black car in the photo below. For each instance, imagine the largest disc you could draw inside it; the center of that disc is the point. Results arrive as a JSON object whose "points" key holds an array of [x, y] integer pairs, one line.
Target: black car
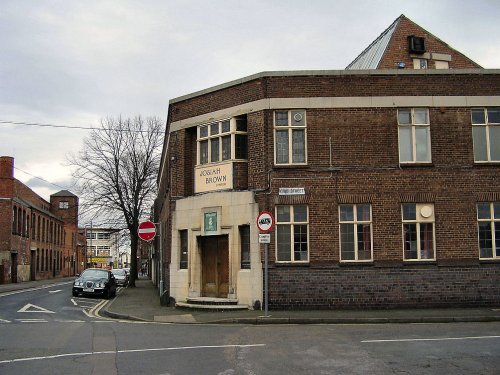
{"points": [[95, 281]]}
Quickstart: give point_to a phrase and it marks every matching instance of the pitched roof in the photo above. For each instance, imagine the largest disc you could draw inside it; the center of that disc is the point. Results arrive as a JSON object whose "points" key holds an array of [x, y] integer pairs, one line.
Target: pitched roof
{"points": [[63, 193], [392, 48]]}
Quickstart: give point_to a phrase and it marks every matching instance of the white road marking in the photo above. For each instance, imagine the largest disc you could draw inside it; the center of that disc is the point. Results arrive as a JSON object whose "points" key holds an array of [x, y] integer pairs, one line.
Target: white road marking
{"points": [[32, 320], [4, 321], [433, 339], [55, 291], [80, 354], [74, 302], [34, 308], [33, 289]]}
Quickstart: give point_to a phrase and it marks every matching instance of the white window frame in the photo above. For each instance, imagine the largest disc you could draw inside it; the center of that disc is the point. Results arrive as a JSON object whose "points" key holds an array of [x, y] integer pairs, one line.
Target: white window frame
{"points": [[232, 133], [414, 125], [292, 223], [293, 125], [494, 221], [355, 222], [488, 127], [420, 64], [424, 214]]}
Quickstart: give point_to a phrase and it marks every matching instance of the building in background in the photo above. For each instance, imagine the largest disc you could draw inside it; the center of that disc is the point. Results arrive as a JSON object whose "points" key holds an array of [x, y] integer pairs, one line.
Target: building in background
{"points": [[102, 246], [38, 239], [383, 180]]}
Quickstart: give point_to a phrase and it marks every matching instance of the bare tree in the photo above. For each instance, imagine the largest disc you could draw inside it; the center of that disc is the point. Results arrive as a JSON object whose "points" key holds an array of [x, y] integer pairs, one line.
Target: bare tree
{"points": [[116, 173]]}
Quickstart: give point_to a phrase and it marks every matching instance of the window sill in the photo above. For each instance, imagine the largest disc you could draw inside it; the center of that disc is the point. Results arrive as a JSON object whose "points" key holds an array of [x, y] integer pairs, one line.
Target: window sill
{"points": [[291, 166], [354, 263], [416, 165], [486, 164], [292, 264], [489, 261], [407, 262]]}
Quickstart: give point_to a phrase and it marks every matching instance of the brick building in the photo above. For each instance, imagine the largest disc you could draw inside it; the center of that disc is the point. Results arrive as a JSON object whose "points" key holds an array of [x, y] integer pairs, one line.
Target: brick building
{"points": [[383, 179], [38, 239]]}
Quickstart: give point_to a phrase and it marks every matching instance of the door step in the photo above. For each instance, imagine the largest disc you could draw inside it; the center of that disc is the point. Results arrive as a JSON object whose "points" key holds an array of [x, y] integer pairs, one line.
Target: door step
{"points": [[210, 303]]}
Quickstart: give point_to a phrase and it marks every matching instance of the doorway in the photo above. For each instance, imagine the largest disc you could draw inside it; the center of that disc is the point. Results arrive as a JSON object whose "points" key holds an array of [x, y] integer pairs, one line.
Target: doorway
{"points": [[13, 267], [215, 266]]}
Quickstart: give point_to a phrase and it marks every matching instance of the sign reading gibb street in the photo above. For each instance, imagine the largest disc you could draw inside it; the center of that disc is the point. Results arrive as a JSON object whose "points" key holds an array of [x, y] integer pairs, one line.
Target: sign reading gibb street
{"points": [[265, 221]]}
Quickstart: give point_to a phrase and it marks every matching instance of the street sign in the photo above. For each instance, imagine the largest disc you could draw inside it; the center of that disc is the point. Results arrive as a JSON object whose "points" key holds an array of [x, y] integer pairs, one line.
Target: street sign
{"points": [[265, 221], [264, 238], [147, 230]]}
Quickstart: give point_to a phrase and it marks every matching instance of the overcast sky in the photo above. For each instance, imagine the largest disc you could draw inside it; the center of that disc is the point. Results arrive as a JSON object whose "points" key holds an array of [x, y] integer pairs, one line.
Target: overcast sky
{"points": [[72, 63]]}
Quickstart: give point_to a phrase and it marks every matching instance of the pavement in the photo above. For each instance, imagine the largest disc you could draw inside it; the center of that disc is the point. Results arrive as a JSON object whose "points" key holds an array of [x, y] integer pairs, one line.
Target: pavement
{"points": [[142, 303]]}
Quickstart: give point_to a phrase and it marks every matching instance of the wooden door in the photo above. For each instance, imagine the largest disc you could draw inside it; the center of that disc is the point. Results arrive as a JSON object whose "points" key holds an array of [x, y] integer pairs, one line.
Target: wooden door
{"points": [[215, 266]]}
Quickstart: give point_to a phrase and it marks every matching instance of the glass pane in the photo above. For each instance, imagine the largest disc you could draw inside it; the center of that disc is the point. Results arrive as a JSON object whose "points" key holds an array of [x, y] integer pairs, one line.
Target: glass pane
{"points": [[494, 143], [203, 131], [422, 143], [300, 214], [496, 210], [497, 238], [410, 241], [226, 147], [363, 212], [364, 242], [241, 146], [298, 146], [203, 152], [426, 241], [282, 147], [405, 145], [479, 137], [225, 126], [483, 211], [241, 124], [298, 118], [347, 241], [404, 116], [478, 116], [214, 150], [409, 211], [485, 240], [300, 242], [281, 118], [346, 212], [214, 129], [283, 214], [421, 115], [493, 115], [283, 234]]}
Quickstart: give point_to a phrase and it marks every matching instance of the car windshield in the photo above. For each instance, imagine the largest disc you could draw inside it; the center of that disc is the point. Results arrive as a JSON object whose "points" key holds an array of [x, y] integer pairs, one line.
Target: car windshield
{"points": [[95, 273], [118, 272]]}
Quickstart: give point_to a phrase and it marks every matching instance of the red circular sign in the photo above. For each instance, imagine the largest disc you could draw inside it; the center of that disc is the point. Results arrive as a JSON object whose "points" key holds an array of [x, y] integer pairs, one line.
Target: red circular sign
{"points": [[147, 230], [265, 221]]}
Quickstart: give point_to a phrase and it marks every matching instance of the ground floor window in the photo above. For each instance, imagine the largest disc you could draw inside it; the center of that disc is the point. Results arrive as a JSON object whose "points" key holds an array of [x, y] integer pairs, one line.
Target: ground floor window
{"points": [[488, 222], [245, 246], [292, 239], [418, 231], [183, 239], [355, 232]]}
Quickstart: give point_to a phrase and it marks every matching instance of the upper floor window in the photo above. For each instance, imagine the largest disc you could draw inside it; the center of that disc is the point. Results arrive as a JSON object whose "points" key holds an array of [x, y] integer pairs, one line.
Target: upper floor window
{"points": [[292, 240], [355, 232], [290, 137], [418, 231], [488, 222], [63, 205], [103, 236], [245, 246], [414, 135], [223, 140], [486, 134]]}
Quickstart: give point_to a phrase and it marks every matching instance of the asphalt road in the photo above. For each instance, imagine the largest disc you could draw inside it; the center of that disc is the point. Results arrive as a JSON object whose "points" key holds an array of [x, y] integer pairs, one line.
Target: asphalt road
{"points": [[72, 339]]}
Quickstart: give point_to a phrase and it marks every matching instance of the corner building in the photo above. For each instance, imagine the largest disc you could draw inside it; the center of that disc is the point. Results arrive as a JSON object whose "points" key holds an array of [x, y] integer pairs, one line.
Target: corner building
{"points": [[383, 179]]}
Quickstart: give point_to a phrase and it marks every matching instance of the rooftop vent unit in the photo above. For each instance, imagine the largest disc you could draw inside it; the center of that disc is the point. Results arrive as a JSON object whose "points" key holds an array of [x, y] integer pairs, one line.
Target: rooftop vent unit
{"points": [[416, 44]]}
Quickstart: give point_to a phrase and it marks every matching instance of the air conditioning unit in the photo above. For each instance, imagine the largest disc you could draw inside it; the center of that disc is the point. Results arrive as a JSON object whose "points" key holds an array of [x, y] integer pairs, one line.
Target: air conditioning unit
{"points": [[416, 44]]}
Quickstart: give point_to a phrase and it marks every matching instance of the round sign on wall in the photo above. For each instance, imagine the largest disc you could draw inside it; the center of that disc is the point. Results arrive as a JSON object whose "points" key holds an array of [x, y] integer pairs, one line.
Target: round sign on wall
{"points": [[265, 221], [147, 230]]}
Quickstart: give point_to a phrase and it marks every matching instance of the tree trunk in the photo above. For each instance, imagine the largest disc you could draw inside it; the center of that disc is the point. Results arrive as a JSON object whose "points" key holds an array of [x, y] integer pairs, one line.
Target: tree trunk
{"points": [[134, 242]]}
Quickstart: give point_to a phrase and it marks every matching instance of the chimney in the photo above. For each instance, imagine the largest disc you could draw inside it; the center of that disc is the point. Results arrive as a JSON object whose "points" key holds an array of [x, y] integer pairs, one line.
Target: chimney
{"points": [[6, 167]]}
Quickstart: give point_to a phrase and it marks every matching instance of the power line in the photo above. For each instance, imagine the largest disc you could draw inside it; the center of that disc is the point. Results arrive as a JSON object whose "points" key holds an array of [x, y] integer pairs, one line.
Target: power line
{"points": [[71, 127], [40, 178]]}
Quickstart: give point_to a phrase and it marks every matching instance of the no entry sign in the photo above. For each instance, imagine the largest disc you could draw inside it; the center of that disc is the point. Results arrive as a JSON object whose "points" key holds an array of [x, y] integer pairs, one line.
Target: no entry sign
{"points": [[147, 230]]}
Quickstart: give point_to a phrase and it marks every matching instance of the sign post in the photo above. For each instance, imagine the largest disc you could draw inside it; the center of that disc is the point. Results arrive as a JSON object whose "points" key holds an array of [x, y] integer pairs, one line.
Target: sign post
{"points": [[265, 223]]}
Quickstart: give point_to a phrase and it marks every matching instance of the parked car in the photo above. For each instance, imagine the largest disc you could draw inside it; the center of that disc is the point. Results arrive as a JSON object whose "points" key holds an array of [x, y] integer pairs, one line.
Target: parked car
{"points": [[95, 281], [121, 276]]}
